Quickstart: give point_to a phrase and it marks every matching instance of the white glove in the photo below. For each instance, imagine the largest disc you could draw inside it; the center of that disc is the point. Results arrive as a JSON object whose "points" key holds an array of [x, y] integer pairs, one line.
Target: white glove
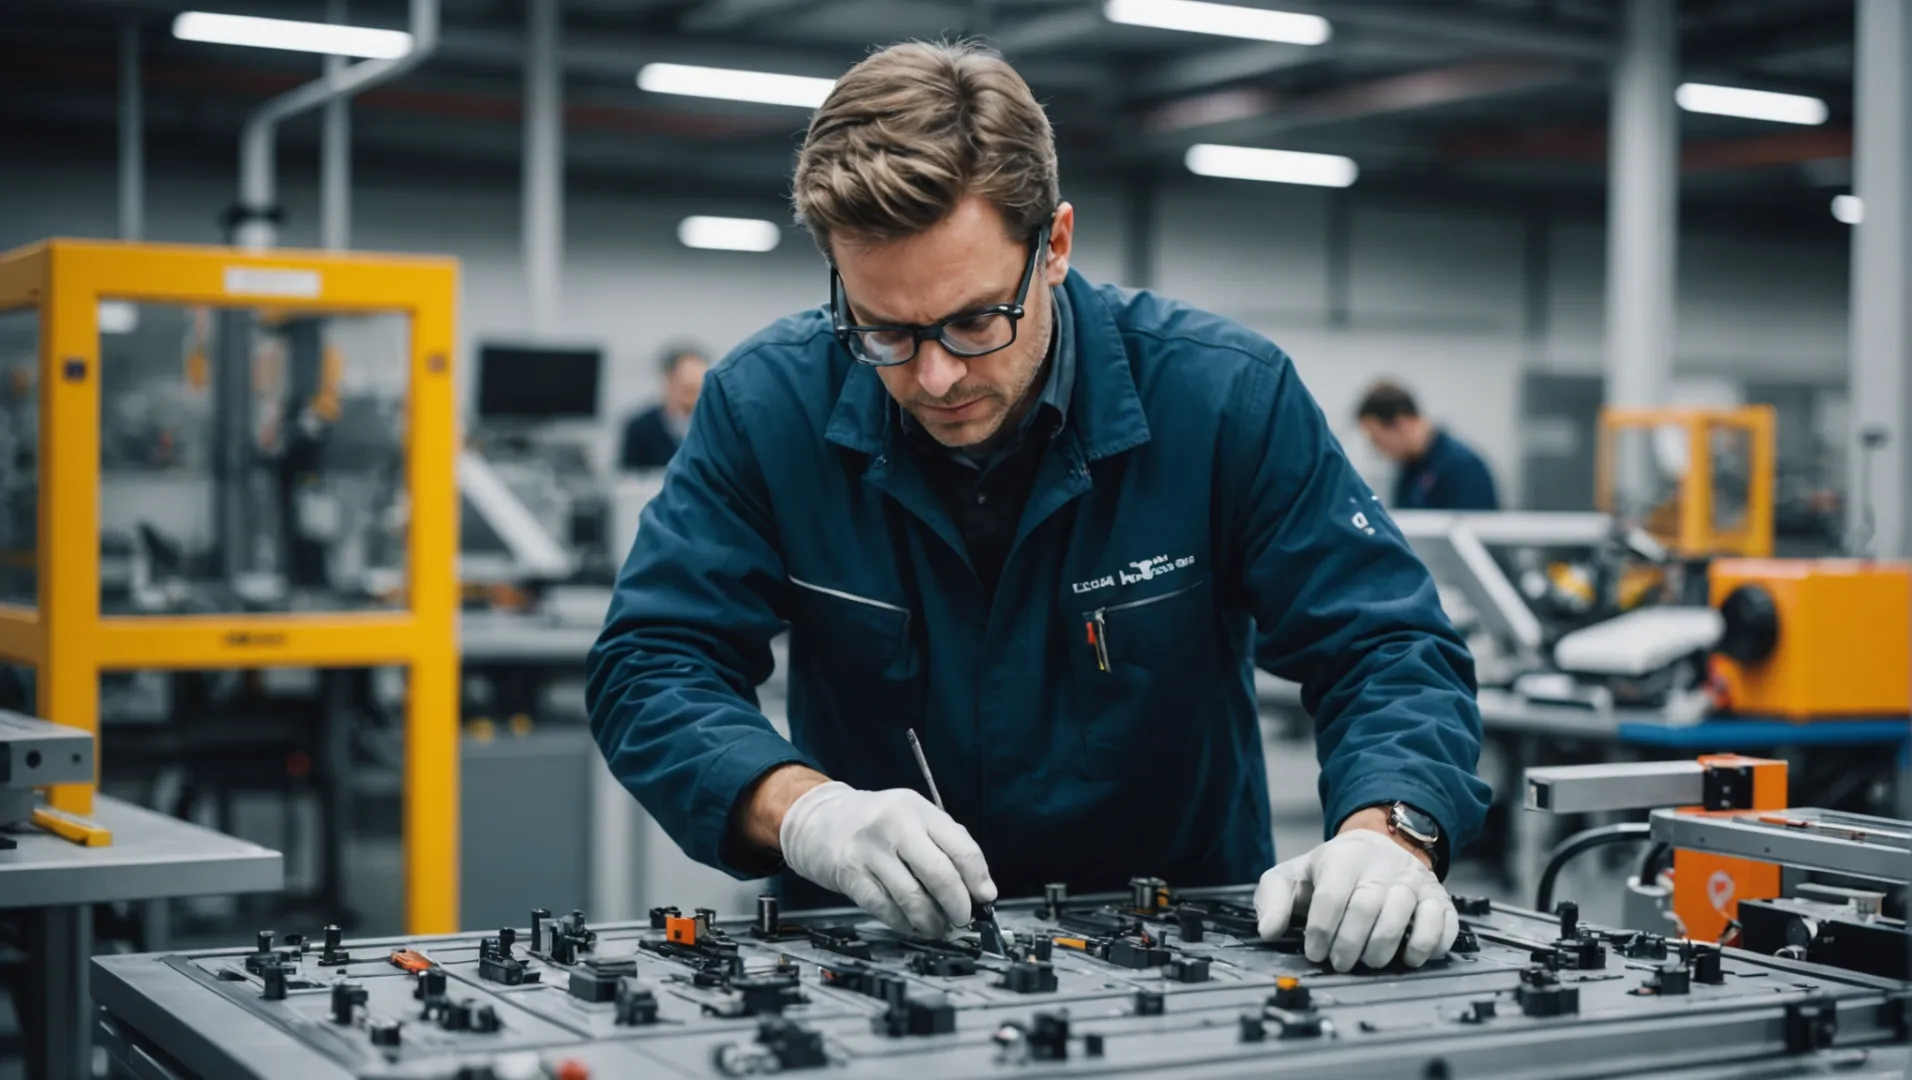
{"points": [[1360, 890], [891, 852]]}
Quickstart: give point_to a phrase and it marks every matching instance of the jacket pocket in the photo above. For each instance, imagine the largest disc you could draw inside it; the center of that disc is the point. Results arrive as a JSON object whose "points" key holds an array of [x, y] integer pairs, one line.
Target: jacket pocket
{"points": [[1148, 631], [1139, 665], [851, 634]]}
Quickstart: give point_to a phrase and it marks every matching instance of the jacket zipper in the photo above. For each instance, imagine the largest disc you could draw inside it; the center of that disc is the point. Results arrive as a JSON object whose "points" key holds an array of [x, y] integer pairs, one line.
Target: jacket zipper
{"points": [[1097, 625], [852, 597]]}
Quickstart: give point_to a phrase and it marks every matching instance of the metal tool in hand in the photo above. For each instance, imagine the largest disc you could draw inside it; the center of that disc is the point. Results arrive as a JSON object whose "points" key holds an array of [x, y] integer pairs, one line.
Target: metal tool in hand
{"points": [[987, 928]]}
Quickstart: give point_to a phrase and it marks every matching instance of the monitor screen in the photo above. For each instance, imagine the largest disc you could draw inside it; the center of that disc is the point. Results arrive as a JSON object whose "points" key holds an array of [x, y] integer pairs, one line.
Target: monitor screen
{"points": [[536, 383]]}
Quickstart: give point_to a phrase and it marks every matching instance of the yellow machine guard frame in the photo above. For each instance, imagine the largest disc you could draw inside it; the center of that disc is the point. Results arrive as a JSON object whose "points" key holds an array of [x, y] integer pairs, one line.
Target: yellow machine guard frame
{"points": [[68, 641], [1693, 533]]}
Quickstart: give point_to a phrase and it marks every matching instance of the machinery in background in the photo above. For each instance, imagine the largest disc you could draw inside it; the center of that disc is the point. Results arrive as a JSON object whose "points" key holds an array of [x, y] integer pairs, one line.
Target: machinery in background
{"points": [[1740, 859], [1699, 480], [537, 410], [1810, 639], [1675, 605], [228, 510]]}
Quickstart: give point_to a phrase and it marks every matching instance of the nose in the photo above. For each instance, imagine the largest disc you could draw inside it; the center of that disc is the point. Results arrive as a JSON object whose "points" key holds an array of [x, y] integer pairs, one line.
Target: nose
{"points": [[937, 371]]}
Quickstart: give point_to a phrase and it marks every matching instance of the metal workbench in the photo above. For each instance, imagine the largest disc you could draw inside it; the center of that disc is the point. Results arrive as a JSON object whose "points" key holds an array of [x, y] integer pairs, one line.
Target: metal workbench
{"points": [[829, 994], [152, 857]]}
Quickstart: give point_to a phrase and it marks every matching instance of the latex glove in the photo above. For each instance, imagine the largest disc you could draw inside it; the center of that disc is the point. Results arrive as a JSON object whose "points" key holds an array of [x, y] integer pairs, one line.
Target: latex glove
{"points": [[1361, 891], [893, 853]]}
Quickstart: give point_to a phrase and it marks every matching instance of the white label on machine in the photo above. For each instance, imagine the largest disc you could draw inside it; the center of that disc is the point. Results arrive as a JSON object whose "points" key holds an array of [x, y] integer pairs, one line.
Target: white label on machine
{"points": [[253, 281]]}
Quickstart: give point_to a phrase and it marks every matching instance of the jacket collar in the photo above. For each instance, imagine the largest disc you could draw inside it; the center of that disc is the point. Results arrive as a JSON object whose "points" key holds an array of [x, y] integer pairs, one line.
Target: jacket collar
{"points": [[1105, 412]]}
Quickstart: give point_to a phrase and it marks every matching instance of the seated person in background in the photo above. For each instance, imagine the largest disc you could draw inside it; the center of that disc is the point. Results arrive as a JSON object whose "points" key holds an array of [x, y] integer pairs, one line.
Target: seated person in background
{"points": [[1438, 471], [652, 437]]}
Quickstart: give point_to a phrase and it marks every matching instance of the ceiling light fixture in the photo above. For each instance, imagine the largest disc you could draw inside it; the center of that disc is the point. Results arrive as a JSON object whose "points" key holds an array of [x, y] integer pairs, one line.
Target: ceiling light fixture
{"points": [[1224, 20], [1751, 104], [359, 41], [1848, 209], [728, 233], [1274, 166], [728, 84]]}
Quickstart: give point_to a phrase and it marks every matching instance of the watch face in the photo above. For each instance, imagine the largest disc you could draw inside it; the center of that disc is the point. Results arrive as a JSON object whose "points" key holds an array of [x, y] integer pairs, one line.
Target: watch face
{"points": [[1416, 824]]}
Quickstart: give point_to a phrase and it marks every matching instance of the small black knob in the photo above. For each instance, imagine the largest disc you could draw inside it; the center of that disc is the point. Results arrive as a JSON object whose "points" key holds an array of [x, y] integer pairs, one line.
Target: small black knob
{"points": [[274, 978], [1054, 895], [344, 996], [1148, 1003], [1569, 918], [1092, 1044], [333, 935], [1252, 1028], [266, 937], [485, 1020], [506, 938], [1190, 924], [1044, 947], [539, 916], [386, 1034], [767, 919]]}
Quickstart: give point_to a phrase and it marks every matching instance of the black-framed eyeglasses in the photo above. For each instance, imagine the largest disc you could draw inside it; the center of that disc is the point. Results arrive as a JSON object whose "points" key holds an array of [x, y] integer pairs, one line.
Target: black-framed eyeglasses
{"points": [[969, 334]]}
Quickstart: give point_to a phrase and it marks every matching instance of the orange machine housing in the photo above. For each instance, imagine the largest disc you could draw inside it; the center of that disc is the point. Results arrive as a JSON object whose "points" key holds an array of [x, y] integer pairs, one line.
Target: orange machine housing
{"points": [[1844, 645], [1707, 888]]}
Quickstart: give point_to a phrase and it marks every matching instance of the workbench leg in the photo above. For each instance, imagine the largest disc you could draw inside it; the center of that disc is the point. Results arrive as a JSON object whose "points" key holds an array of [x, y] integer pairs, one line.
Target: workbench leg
{"points": [[65, 1021]]}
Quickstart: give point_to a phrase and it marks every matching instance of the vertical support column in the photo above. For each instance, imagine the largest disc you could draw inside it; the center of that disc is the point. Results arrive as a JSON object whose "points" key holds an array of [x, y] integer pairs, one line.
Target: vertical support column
{"points": [[1139, 234], [132, 137], [431, 807], [68, 683], [543, 164], [65, 1015], [1642, 222], [335, 156], [1879, 515], [1340, 259]]}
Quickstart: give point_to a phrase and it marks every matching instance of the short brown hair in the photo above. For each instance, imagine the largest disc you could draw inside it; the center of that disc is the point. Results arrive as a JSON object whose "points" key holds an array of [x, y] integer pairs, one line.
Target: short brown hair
{"points": [[911, 130], [1386, 402]]}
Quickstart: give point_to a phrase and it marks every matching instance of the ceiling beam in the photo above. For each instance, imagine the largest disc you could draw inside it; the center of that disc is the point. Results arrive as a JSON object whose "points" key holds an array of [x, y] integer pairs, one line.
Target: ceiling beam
{"points": [[1505, 35], [1255, 115], [1587, 144], [718, 16], [1232, 63]]}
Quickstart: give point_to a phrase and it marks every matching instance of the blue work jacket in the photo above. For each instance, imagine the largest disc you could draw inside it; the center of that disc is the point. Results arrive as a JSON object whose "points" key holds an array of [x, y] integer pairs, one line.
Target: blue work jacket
{"points": [[1450, 476], [1096, 719]]}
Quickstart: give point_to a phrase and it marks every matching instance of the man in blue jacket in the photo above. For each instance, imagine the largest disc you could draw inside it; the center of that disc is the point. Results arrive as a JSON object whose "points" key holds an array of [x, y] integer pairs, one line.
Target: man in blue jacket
{"points": [[1438, 471], [1050, 527]]}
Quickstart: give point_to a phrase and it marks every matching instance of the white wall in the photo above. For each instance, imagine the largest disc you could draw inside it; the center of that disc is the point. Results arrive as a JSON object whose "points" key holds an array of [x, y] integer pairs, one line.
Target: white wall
{"points": [[1434, 295]]}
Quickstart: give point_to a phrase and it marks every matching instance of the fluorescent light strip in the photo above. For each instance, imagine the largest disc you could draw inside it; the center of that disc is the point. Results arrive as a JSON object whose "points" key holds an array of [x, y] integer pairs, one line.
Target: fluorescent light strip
{"points": [[1751, 104], [1274, 166], [289, 34], [1848, 209], [1223, 20], [728, 233], [764, 87]]}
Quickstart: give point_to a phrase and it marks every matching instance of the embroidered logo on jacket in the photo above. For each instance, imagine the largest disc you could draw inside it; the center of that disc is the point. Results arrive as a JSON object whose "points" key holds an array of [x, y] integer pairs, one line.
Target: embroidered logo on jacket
{"points": [[1144, 570]]}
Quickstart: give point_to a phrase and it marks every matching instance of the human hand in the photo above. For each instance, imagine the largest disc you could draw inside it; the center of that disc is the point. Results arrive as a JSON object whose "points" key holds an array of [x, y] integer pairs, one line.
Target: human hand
{"points": [[1361, 890], [893, 853]]}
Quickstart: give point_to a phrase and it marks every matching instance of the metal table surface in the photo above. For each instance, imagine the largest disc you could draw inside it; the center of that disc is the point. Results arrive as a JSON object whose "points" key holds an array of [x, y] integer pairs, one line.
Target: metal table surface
{"points": [[491, 638], [152, 857], [1502, 711]]}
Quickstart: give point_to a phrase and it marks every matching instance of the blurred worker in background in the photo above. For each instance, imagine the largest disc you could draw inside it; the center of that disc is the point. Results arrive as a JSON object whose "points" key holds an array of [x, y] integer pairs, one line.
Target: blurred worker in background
{"points": [[1032, 519], [1438, 471], [652, 437]]}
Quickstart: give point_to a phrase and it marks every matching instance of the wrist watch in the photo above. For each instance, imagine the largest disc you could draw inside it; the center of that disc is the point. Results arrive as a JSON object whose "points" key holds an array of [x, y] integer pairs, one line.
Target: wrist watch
{"points": [[1422, 831]]}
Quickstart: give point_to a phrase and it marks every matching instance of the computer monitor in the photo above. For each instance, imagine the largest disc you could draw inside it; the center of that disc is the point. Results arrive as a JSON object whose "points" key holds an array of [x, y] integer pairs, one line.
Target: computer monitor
{"points": [[531, 382]]}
